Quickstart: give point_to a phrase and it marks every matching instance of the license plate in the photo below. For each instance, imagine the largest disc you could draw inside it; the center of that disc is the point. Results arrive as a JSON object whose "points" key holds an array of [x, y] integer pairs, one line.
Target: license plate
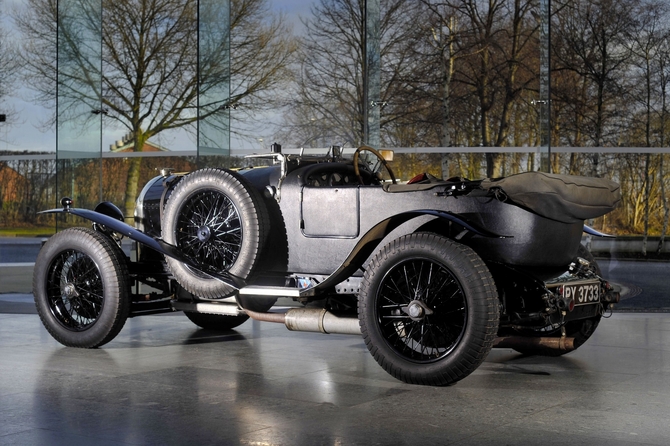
{"points": [[582, 293]]}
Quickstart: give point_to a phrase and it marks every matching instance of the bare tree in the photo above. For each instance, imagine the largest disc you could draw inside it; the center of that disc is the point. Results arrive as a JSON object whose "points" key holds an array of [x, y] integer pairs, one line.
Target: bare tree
{"points": [[646, 46], [8, 71], [443, 62], [37, 22], [442, 36], [150, 80], [590, 39], [497, 43], [664, 80], [436, 49], [329, 92]]}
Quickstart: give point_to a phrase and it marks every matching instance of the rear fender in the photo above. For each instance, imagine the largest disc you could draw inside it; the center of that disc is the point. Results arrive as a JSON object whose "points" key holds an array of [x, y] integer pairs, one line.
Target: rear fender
{"points": [[113, 223], [589, 230], [369, 242]]}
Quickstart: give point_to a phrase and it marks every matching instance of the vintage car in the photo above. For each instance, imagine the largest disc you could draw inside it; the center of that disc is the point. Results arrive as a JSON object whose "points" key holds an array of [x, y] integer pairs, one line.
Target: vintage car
{"points": [[431, 273]]}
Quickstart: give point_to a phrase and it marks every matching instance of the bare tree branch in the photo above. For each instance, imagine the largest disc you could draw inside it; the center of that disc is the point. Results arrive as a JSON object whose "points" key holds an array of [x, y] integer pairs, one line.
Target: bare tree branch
{"points": [[150, 81]]}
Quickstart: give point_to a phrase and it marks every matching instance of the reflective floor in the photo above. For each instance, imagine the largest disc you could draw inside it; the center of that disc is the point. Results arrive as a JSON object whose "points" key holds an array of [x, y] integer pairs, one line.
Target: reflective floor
{"points": [[163, 381]]}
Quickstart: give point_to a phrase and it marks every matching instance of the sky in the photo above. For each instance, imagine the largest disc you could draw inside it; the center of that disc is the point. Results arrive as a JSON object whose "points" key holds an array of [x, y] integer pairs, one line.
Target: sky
{"points": [[29, 134]]}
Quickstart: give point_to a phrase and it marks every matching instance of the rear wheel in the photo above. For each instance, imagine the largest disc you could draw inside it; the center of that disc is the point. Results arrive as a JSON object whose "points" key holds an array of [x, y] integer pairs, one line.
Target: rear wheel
{"points": [[81, 288], [428, 309]]}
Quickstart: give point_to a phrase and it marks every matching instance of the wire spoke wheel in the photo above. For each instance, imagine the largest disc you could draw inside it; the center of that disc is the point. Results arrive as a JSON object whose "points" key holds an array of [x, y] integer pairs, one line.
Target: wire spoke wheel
{"points": [[421, 310], [218, 219], [81, 289], [210, 229], [428, 309], [75, 292]]}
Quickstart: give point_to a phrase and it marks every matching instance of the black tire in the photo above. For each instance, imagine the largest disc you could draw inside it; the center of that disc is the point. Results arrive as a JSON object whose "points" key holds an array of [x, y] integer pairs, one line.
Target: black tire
{"points": [[216, 322], [216, 218], [581, 330], [81, 288], [444, 278]]}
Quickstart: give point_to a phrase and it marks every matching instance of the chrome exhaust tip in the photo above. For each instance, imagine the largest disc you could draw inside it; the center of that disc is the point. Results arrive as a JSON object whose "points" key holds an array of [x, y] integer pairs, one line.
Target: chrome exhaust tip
{"points": [[562, 344], [313, 320]]}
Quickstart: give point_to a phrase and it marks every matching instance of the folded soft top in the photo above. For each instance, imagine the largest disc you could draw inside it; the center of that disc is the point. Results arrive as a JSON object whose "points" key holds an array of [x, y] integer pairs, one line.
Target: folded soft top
{"points": [[565, 198]]}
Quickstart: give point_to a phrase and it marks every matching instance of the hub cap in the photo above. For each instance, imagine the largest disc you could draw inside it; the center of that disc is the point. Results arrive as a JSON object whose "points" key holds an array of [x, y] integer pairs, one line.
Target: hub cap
{"points": [[75, 290], [421, 310], [209, 229]]}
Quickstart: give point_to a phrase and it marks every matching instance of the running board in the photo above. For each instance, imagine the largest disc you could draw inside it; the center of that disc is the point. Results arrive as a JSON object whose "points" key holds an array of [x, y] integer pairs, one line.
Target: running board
{"points": [[272, 291], [227, 309]]}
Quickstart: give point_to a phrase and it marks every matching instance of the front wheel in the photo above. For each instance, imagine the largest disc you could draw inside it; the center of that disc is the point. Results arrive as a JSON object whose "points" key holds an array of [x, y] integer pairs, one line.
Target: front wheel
{"points": [[428, 309], [81, 288]]}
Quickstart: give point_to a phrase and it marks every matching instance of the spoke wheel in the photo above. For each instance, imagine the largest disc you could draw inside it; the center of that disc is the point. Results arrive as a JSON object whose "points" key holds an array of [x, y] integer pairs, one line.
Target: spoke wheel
{"points": [[80, 287], [428, 309], [216, 218], [75, 292], [210, 229], [421, 310]]}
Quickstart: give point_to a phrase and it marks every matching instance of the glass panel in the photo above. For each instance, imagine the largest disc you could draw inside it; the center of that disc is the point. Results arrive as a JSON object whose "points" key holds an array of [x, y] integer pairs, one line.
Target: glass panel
{"points": [[545, 85], [214, 75], [79, 81], [79, 111], [373, 74], [434, 78], [117, 167], [31, 32], [27, 147]]}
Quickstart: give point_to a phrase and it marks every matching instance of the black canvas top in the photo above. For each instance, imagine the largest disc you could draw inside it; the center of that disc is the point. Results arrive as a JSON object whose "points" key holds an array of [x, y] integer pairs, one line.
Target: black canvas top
{"points": [[565, 198]]}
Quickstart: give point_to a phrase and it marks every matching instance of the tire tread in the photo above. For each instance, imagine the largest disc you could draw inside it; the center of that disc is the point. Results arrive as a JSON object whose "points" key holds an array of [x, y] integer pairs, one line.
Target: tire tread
{"points": [[484, 331], [111, 264]]}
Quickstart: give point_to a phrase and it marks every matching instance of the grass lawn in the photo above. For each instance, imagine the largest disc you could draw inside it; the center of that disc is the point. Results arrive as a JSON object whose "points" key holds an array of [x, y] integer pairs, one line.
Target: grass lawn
{"points": [[41, 231]]}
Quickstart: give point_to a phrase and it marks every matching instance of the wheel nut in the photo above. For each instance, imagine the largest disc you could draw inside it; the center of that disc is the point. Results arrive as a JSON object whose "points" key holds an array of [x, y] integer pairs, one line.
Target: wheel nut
{"points": [[415, 310], [204, 233], [69, 290]]}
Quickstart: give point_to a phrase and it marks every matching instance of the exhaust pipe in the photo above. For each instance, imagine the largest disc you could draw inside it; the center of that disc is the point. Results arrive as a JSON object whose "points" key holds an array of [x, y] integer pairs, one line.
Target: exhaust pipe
{"points": [[312, 320], [317, 320], [562, 344]]}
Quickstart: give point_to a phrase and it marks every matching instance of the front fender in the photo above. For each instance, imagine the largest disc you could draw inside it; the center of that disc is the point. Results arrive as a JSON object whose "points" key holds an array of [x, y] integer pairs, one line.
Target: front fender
{"points": [[155, 243]]}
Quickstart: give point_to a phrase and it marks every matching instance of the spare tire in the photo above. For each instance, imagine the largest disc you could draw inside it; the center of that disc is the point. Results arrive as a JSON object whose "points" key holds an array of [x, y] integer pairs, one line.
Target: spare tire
{"points": [[217, 218]]}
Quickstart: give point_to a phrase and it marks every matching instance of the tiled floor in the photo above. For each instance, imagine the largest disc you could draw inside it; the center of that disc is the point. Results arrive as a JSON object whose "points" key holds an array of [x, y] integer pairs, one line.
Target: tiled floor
{"points": [[163, 381]]}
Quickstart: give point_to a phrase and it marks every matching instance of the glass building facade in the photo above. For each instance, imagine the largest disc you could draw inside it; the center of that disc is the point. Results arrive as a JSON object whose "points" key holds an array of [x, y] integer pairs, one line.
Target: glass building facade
{"points": [[92, 103]]}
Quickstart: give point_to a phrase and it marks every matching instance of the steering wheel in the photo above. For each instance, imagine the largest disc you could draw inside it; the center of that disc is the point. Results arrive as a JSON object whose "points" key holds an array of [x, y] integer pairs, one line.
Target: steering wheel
{"points": [[357, 171]]}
